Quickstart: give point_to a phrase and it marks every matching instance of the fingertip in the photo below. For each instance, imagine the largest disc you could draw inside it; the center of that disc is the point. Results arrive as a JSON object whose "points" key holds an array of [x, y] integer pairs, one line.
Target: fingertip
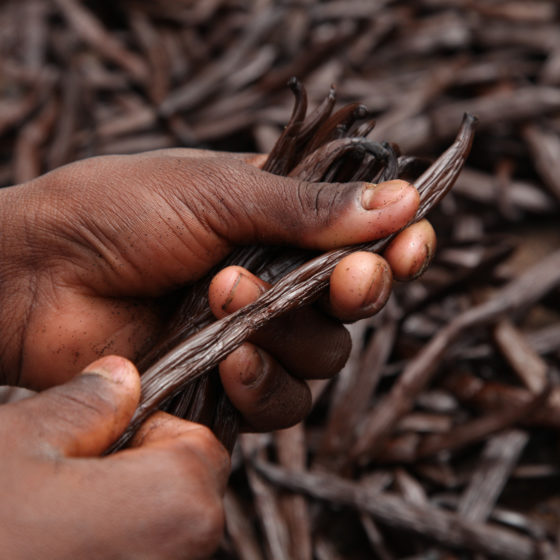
{"points": [[381, 195], [84, 416], [266, 395], [117, 369], [232, 288], [359, 286], [368, 212], [412, 250], [123, 374]]}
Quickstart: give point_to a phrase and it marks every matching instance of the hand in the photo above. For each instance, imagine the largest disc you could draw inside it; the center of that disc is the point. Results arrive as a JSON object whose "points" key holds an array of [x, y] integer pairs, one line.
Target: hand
{"points": [[162, 499], [91, 253]]}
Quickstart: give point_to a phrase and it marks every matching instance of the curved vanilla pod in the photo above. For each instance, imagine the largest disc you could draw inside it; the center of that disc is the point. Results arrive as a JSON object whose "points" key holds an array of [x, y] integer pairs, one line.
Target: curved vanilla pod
{"points": [[314, 167], [281, 157]]}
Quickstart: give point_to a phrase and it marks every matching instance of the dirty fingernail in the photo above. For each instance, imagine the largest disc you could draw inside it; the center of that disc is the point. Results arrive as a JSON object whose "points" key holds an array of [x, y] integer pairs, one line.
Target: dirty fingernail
{"points": [[410, 253], [379, 289], [420, 266], [384, 194], [253, 367], [245, 364], [244, 291]]}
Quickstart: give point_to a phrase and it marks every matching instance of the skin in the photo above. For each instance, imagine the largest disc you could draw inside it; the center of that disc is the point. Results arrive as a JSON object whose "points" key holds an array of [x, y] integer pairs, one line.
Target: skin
{"points": [[61, 501], [90, 255]]}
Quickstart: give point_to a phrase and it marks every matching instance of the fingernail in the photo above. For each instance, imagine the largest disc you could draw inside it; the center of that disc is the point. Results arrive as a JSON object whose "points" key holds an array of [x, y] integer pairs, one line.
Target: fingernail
{"points": [[252, 368], [411, 252], [379, 196], [114, 368], [243, 291], [420, 267], [379, 290]]}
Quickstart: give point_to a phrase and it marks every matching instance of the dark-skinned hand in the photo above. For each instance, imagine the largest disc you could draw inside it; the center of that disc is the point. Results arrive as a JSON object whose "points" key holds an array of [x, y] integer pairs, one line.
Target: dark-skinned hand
{"points": [[160, 499], [88, 254]]}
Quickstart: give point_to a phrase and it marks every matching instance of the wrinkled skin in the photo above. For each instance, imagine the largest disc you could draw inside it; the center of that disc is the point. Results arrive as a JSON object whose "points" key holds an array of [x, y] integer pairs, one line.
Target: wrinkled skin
{"points": [[90, 256]]}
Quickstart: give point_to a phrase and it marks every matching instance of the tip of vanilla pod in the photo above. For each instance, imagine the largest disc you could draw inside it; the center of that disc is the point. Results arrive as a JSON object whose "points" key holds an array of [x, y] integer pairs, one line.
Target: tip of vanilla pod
{"points": [[470, 119]]}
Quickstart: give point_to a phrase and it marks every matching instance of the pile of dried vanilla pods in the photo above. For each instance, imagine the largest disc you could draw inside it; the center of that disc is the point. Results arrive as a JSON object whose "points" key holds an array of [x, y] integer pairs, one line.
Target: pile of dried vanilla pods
{"points": [[439, 439]]}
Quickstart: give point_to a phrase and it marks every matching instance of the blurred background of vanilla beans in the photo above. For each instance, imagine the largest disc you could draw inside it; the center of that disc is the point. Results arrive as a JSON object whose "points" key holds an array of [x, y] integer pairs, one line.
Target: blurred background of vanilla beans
{"points": [[439, 440]]}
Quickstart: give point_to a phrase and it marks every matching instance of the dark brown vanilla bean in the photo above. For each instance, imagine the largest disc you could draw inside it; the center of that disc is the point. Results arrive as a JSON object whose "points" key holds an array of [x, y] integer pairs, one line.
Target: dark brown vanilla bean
{"points": [[279, 161], [315, 166], [467, 433], [316, 119], [337, 125], [392, 168], [203, 351], [369, 167], [363, 129], [427, 520], [410, 166]]}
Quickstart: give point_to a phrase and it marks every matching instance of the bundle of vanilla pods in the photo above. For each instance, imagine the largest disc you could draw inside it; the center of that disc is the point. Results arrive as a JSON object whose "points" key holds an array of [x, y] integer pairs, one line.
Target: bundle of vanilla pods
{"points": [[177, 371]]}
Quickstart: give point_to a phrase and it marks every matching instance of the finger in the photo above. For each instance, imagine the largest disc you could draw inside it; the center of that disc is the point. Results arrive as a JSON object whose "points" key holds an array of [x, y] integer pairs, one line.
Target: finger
{"points": [[161, 426], [232, 288], [306, 342], [412, 250], [187, 213], [80, 418], [267, 396], [169, 433], [261, 207], [359, 287]]}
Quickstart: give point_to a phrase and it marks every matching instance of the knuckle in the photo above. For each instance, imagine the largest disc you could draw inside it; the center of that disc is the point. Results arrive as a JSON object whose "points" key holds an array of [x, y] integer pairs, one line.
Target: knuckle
{"points": [[338, 351], [201, 452], [321, 202], [194, 512], [211, 448], [203, 438], [280, 402], [209, 527]]}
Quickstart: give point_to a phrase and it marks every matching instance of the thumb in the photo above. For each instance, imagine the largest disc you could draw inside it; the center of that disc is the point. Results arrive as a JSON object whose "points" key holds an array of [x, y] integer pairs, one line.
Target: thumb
{"points": [[80, 418], [245, 205]]}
